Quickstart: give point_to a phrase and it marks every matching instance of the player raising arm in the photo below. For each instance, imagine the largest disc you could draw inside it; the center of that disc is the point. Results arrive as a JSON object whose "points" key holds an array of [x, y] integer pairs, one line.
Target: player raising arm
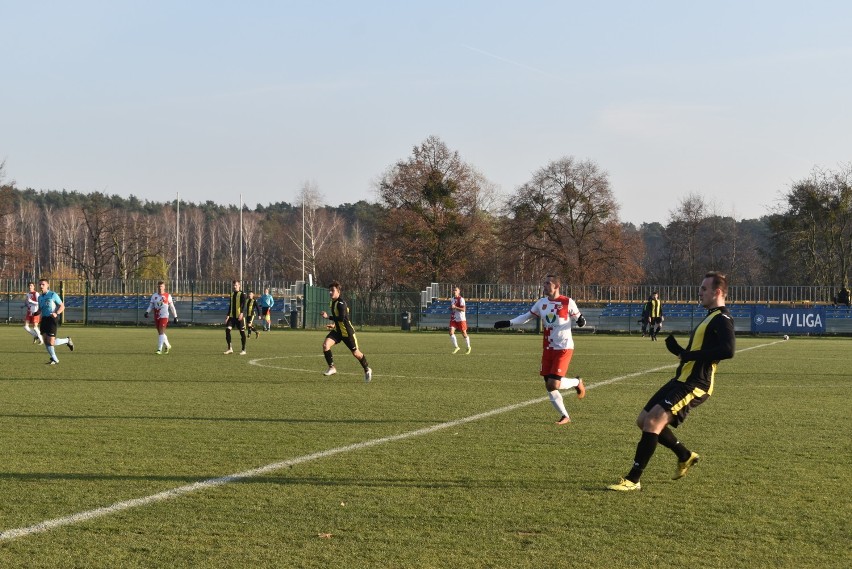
{"points": [[557, 313]]}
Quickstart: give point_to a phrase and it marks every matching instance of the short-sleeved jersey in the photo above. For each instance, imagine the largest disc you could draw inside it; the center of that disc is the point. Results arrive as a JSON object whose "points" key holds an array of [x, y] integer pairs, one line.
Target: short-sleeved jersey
{"points": [[48, 303], [238, 302], [32, 303], [251, 308], [161, 304], [458, 315], [338, 312], [557, 316]]}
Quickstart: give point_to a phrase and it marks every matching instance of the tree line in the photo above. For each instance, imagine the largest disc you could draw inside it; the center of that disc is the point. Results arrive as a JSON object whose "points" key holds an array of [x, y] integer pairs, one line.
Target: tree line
{"points": [[437, 219]]}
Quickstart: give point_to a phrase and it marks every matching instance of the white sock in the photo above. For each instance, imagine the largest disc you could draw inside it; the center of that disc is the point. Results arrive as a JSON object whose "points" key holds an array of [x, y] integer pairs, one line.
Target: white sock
{"points": [[467, 341], [556, 399], [31, 331], [160, 341], [454, 341], [61, 342], [569, 382], [166, 342]]}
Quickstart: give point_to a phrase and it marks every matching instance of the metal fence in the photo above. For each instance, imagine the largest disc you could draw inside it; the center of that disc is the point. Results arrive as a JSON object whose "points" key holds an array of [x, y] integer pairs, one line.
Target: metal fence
{"points": [[603, 294], [366, 309], [119, 287], [304, 303]]}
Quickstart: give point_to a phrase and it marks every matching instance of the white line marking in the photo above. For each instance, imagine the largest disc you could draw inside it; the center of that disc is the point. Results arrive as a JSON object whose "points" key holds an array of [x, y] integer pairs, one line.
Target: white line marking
{"points": [[47, 525]]}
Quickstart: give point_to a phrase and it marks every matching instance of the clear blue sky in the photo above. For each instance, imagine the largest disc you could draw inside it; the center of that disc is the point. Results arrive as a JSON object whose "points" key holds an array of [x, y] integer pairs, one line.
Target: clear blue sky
{"points": [[732, 100]]}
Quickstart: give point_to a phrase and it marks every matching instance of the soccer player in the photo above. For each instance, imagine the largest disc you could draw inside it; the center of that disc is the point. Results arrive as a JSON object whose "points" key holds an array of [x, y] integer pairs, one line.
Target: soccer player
{"points": [[341, 330], [266, 302], [161, 303], [711, 341], [236, 317], [50, 306], [557, 313], [655, 315], [458, 320], [32, 318], [645, 319], [251, 312]]}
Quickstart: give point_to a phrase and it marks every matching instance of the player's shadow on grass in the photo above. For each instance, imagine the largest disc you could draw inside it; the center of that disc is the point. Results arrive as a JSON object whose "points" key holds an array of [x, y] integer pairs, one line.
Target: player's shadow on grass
{"points": [[302, 378], [465, 483], [211, 419]]}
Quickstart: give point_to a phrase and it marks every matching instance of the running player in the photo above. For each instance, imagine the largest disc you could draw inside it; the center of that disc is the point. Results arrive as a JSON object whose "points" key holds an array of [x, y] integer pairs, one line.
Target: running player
{"points": [[32, 317], [50, 306], [341, 330], [557, 314]]}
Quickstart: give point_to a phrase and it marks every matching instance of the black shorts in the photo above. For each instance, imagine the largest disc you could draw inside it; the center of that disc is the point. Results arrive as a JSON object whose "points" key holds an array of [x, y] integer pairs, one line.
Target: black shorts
{"points": [[264, 310], [350, 341], [235, 323], [657, 320], [677, 398], [48, 326]]}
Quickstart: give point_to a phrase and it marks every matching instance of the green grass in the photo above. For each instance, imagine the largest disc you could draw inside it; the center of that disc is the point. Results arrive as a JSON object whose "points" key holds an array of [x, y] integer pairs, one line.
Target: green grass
{"points": [[115, 422]]}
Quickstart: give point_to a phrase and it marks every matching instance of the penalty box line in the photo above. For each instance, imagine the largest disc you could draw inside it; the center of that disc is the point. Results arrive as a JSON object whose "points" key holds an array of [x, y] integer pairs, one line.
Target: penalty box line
{"points": [[47, 525]]}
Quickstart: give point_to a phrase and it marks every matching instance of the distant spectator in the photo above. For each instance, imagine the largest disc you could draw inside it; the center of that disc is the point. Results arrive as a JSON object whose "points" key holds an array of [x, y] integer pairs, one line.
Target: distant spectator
{"points": [[844, 297]]}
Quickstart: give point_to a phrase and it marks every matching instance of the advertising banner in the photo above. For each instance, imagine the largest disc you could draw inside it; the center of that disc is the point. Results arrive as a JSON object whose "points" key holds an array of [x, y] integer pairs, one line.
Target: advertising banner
{"points": [[788, 320]]}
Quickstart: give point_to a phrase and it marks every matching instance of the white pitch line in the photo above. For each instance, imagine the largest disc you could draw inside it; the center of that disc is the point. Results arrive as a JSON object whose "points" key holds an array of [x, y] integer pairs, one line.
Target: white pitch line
{"points": [[47, 525]]}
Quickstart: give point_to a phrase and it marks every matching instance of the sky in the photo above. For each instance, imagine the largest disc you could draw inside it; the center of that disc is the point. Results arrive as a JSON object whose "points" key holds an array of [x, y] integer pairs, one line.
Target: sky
{"points": [[730, 100]]}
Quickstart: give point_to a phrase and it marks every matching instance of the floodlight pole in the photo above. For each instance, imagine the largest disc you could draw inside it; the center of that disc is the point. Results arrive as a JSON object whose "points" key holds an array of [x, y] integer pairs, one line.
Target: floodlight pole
{"points": [[177, 244], [241, 238]]}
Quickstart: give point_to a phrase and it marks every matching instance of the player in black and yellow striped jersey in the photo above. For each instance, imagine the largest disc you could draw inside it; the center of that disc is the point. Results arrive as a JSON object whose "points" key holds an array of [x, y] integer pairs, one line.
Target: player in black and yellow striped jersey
{"points": [[236, 317], [655, 315], [341, 330], [711, 341], [250, 312]]}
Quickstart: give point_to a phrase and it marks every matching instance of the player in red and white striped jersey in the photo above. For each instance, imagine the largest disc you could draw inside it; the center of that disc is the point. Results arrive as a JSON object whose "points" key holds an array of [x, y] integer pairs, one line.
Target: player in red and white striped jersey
{"points": [[557, 313], [32, 319], [161, 303]]}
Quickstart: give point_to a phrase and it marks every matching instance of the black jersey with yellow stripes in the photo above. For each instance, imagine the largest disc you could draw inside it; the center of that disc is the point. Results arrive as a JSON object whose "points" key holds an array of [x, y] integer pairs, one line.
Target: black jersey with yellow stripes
{"points": [[238, 300], [251, 308], [711, 341], [338, 312]]}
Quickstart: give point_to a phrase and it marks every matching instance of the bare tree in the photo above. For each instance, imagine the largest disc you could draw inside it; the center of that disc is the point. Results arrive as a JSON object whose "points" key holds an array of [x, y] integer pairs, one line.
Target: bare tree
{"points": [[311, 236], [566, 218]]}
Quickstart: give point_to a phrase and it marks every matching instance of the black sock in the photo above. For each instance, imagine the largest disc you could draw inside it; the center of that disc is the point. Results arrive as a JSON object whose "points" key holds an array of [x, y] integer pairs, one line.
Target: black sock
{"points": [[328, 359], [644, 451], [243, 339], [364, 363], [228, 336], [669, 440]]}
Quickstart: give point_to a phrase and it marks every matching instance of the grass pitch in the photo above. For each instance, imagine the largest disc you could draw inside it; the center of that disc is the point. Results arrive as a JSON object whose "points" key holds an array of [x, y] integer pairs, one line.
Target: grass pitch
{"points": [[442, 461]]}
